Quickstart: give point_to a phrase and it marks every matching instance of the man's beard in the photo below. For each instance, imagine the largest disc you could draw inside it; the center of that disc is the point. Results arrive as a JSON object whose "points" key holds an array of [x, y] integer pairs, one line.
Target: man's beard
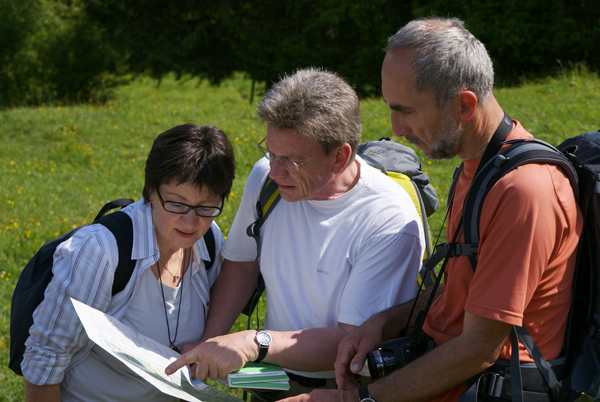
{"points": [[447, 138]]}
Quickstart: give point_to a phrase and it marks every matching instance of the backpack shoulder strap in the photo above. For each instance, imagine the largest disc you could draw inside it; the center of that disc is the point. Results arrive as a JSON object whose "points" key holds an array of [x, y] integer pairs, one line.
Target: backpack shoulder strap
{"points": [[209, 240], [520, 152], [120, 203], [267, 200], [120, 225]]}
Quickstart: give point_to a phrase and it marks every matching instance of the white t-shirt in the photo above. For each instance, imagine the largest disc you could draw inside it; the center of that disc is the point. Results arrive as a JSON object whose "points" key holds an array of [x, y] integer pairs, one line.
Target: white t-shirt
{"points": [[339, 260]]}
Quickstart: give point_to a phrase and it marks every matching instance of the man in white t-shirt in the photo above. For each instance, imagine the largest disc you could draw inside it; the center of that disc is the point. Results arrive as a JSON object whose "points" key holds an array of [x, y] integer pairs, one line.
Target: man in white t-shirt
{"points": [[344, 242]]}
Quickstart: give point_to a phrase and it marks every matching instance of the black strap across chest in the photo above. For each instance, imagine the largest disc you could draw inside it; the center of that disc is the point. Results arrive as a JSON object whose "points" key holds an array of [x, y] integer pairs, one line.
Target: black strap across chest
{"points": [[446, 250], [495, 164]]}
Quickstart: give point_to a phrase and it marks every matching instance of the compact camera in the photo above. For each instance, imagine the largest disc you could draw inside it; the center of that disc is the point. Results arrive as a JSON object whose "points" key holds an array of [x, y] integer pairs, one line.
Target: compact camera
{"points": [[392, 355]]}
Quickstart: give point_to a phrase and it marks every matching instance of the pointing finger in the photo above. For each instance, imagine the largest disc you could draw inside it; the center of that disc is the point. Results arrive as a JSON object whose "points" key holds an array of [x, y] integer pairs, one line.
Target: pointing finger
{"points": [[183, 360]]}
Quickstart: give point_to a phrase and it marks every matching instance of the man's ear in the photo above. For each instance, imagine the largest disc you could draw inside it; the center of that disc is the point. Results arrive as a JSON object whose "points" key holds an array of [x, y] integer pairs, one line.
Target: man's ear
{"points": [[342, 156], [464, 105]]}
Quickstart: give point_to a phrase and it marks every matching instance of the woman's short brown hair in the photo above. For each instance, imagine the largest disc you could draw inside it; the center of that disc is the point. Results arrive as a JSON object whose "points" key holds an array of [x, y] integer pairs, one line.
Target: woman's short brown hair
{"points": [[199, 155]]}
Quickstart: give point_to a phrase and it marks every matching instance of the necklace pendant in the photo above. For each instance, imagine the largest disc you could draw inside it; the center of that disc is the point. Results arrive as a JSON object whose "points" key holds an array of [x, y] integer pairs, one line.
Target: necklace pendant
{"points": [[173, 347], [175, 278]]}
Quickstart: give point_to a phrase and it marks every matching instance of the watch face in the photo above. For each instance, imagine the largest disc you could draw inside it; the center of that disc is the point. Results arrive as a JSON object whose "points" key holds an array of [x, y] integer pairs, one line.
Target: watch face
{"points": [[263, 338]]}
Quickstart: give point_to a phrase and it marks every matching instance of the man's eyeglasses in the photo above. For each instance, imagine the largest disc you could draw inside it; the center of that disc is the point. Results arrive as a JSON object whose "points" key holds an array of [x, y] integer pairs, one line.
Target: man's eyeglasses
{"points": [[285, 163], [182, 209]]}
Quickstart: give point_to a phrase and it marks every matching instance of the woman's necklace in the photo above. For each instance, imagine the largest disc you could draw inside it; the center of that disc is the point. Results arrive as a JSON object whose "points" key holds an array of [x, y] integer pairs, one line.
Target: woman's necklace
{"points": [[162, 292], [175, 277]]}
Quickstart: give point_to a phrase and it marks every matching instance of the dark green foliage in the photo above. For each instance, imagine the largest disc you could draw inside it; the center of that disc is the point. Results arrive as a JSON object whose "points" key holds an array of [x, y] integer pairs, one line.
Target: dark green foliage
{"points": [[53, 53], [77, 57], [280, 36], [269, 38], [528, 38], [17, 22], [584, 32], [73, 50], [188, 37]]}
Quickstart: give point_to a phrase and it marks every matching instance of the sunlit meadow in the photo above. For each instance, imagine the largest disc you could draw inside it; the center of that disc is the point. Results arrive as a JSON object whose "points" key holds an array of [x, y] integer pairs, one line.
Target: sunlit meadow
{"points": [[59, 164]]}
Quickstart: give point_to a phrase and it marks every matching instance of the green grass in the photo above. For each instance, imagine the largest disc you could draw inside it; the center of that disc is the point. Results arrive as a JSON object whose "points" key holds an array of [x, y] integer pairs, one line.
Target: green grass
{"points": [[59, 164]]}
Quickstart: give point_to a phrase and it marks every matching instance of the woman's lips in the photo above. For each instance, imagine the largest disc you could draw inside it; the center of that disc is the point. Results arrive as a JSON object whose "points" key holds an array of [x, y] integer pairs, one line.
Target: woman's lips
{"points": [[185, 235]]}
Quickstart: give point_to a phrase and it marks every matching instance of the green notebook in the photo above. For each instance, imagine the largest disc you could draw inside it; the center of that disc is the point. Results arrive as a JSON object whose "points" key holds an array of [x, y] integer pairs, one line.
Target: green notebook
{"points": [[259, 375], [276, 385]]}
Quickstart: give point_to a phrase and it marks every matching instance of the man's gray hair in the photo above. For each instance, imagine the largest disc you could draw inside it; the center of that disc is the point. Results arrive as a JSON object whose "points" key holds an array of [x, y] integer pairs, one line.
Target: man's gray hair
{"points": [[448, 58], [318, 105]]}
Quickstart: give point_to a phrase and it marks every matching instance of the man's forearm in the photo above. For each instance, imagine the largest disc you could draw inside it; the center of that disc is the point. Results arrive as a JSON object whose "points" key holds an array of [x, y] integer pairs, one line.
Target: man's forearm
{"points": [[229, 295], [422, 380], [306, 350], [447, 365], [312, 349]]}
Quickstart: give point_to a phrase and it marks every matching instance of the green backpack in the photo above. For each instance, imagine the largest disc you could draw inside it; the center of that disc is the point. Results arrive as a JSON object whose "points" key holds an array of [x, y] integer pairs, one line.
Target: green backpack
{"points": [[395, 160]]}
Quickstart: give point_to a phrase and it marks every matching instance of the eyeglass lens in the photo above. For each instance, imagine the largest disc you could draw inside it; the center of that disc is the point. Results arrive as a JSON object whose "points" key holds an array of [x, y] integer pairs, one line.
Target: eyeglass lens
{"points": [[180, 208], [286, 164]]}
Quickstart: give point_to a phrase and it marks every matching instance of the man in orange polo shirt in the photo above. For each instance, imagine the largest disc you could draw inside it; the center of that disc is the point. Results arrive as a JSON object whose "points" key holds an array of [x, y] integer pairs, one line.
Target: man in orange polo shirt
{"points": [[437, 80]]}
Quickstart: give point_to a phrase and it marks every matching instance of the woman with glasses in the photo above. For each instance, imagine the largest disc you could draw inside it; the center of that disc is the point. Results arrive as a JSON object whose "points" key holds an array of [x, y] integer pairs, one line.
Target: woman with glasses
{"points": [[188, 175]]}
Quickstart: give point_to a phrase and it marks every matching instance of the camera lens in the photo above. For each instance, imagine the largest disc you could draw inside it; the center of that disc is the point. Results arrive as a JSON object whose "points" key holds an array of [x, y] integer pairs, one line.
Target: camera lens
{"points": [[376, 366], [392, 355]]}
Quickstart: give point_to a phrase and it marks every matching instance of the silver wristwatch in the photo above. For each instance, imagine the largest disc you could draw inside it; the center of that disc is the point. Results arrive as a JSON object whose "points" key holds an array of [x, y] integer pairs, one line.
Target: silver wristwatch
{"points": [[263, 338]]}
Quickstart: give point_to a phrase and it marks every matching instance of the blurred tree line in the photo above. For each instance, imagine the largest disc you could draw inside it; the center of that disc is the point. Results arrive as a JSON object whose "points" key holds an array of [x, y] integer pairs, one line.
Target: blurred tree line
{"points": [[76, 50]]}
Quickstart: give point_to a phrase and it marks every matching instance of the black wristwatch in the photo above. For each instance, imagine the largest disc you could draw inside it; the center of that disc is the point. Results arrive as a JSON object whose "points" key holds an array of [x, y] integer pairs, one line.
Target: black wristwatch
{"points": [[263, 338], [364, 396]]}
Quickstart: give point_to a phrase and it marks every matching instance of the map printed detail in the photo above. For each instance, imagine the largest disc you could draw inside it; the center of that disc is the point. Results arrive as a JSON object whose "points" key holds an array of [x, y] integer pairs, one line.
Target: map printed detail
{"points": [[146, 357]]}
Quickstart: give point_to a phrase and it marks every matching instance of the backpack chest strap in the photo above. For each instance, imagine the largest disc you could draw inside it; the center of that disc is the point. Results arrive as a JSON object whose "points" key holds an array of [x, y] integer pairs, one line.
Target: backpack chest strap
{"points": [[457, 249], [449, 250]]}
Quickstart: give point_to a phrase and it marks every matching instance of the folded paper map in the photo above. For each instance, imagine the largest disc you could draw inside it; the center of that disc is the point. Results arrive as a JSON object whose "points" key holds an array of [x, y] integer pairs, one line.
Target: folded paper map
{"points": [[146, 357]]}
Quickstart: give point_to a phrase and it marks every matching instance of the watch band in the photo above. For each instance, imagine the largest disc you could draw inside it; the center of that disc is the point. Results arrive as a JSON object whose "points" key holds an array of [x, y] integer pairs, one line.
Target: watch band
{"points": [[363, 394], [263, 339], [262, 352]]}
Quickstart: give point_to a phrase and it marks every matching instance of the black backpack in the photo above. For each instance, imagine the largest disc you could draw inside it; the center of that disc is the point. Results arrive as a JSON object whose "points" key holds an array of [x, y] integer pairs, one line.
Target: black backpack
{"points": [[37, 274], [584, 331], [577, 370], [396, 161]]}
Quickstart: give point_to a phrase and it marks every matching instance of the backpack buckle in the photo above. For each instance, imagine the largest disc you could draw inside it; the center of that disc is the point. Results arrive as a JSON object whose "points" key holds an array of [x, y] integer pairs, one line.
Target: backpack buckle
{"points": [[461, 249], [492, 384], [253, 230], [594, 330]]}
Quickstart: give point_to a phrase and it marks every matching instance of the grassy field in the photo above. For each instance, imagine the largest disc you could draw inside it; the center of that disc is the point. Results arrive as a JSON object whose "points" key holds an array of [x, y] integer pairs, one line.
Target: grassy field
{"points": [[59, 164]]}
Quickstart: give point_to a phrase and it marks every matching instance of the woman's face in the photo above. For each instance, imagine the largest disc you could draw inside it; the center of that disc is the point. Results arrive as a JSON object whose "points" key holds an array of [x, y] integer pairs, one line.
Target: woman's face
{"points": [[176, 231]]}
